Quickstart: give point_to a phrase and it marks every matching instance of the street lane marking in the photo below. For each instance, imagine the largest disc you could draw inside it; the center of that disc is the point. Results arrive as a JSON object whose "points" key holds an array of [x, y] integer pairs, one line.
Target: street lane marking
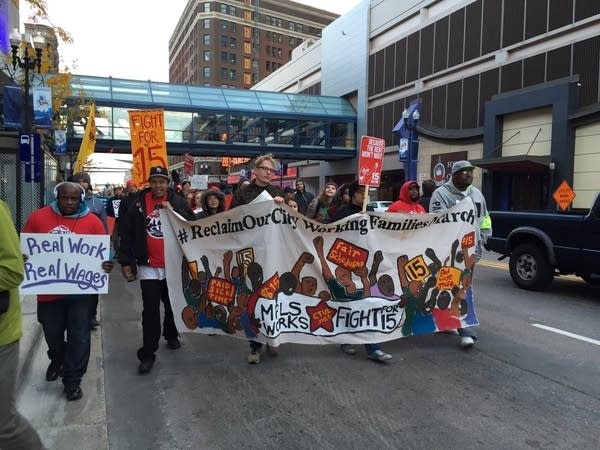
{"points": [[566, 333]]}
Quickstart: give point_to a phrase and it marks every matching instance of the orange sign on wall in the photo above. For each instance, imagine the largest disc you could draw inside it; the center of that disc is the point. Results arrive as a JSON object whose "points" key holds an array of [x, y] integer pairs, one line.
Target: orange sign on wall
{"points": [[563, 196], [148, 144]]}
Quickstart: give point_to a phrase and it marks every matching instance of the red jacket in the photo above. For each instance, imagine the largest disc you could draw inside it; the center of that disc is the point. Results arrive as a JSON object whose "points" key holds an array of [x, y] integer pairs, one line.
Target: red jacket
{"points": [[404, 204]]}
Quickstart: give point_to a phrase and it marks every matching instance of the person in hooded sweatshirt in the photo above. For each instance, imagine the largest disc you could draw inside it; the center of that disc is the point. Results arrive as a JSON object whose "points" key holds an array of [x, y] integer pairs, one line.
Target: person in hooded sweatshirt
{"points": [[408, 200], [213, 202]]}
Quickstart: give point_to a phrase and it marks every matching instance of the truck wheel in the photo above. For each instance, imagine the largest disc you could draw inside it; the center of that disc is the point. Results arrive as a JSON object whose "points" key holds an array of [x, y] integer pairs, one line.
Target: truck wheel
{"points": [[529, 267]]}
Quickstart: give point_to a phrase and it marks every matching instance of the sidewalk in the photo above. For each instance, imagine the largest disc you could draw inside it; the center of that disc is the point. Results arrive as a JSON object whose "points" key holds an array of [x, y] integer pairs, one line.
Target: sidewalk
{"points": [[62, 425]]}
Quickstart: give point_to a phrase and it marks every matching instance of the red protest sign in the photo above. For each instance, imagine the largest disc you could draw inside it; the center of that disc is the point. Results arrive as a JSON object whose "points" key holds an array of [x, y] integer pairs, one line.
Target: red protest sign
{"points": [[188, 164], [370, 160]]}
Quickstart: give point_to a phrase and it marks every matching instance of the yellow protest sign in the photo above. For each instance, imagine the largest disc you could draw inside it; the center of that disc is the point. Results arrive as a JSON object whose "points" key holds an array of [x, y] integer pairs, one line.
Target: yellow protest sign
{"points": [[148, 144]]}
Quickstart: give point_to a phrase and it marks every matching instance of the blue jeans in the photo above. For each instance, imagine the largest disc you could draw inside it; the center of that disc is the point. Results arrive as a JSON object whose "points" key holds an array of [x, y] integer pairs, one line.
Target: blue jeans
{"points": [[69, 313], [153, 293], [370, 348]]}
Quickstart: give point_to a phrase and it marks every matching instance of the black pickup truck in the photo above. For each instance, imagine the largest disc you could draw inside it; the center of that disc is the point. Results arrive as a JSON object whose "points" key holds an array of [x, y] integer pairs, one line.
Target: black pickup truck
{"points": [[544, 244]]}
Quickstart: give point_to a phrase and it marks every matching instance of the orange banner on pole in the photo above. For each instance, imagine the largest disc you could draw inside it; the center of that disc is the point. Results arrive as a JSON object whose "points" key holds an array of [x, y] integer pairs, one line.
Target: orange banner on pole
{"points": [[148, 144]]}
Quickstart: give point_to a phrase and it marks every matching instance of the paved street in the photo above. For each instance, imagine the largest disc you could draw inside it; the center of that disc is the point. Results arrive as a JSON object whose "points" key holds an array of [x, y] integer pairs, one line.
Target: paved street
{"points": [[524, 385]]}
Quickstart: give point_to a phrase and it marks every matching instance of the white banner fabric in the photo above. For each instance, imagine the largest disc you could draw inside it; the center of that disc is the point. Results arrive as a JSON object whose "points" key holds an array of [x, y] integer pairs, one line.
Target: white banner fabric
{"points": [[265, 272]]}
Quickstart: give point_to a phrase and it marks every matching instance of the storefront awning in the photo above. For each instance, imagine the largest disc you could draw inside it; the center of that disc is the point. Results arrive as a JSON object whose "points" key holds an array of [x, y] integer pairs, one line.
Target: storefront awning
{"points": [[515, 164]]}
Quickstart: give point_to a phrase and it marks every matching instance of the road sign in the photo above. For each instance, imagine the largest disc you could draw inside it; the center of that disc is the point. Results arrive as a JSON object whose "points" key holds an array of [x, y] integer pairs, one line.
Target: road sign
{"points": [[563, 196], [30, 153]]}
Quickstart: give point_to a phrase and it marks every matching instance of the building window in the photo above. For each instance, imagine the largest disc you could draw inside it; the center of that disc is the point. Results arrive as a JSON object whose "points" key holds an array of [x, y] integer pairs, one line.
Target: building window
{"points": [[299, 28], [232, 58], [233, 27], [224, 25], [232, 11], [224, 41], [233, 42], [268, 66], [232, 74], [206, 55], [206, 24], [206, 7], [291, 26], [268, 50], [224, 73], [206, 72], [207, 39], [223, 8], [224, 56]]}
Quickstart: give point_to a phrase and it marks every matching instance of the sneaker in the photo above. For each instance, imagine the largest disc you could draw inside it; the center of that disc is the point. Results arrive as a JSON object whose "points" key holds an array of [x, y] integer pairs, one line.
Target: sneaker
{"points": [[272, 351], [145, 365], [173, 343], [254, 357], [73, 392], [94, 323], [380, 356], [54, 371], [467, 342], [348, 349]]}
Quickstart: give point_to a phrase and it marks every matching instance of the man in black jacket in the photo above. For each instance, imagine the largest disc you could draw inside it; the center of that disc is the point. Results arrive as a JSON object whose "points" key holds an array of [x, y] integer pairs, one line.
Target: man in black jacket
{"points": [[142, 240]]}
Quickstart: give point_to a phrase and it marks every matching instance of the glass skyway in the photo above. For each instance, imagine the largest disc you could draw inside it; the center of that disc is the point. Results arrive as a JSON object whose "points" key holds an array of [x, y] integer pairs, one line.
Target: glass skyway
{"points": [[210, 121]]}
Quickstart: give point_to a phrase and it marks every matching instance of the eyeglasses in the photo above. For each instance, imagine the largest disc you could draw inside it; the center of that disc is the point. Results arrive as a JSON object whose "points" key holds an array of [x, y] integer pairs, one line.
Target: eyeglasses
{"points": [[266, 169]]}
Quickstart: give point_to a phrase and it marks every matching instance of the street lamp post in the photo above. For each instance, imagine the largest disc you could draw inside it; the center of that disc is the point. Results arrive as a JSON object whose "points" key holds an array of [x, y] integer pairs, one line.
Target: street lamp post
{"points": [[27, 62], [410, 122]]}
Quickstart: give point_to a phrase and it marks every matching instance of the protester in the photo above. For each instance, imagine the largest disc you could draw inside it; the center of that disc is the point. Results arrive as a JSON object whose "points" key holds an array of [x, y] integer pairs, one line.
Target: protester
{"points": [[198, 202], [341, 197], [264, 169], [303, 198], [142, 238], [317, 209], [213, 202], [449, 194], [69, 213], [357, 196], [290, 200], [408, 200], [97, 207], [112, 210], [15, 430], [428, 187]]}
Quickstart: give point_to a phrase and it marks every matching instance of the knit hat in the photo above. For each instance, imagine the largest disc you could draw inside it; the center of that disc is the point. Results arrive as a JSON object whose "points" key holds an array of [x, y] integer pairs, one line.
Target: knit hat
{"points": [[353, 187], [131, 183], [78, 177], [462, 165]]}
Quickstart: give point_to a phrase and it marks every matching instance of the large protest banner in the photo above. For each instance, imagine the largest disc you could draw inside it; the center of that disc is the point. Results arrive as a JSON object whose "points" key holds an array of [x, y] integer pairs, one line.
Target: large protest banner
{"points": [[148, 144], [64, 263], [263, 271]]}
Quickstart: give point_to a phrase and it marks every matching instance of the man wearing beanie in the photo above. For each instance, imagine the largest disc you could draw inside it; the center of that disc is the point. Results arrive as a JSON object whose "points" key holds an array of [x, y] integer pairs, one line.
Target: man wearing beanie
{"points": [[449, 194], [357, 196]]}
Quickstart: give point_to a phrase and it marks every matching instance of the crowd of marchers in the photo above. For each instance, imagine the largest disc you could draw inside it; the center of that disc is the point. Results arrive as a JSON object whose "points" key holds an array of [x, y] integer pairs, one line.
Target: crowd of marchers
{"points": [[138, 245]]}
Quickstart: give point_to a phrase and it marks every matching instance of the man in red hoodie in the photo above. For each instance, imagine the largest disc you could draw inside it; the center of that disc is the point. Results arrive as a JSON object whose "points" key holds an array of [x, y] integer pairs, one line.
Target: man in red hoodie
{"points": [[69, 213], [408, 200]]}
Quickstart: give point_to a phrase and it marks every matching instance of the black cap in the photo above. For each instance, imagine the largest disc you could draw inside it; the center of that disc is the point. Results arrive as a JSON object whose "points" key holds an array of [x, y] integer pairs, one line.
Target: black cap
{"points": [[159, 171]]}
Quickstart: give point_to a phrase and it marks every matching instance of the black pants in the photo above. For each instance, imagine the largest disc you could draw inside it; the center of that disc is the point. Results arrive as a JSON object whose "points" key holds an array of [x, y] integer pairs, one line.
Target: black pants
{"points": [[93, 305], [71, 314], [153, 293], [255, 346]]}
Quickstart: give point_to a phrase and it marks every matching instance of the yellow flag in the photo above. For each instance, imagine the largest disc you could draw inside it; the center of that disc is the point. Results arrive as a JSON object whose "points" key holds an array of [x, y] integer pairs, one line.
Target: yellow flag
{"points": [[88, 143]]}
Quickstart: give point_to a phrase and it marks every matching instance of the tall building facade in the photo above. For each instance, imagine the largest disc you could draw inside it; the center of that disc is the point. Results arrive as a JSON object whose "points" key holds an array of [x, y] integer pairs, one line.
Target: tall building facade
{"points": [[514, 86], [236, 43]]}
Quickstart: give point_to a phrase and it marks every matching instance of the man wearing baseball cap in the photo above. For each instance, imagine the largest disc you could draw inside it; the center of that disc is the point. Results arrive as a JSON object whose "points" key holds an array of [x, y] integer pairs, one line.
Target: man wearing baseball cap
{"points": [[449, 194], [142, 240]]}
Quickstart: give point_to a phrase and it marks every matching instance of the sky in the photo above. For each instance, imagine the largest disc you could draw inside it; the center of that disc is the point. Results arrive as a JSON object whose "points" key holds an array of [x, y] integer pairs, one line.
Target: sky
{"points": [[128, 38]]}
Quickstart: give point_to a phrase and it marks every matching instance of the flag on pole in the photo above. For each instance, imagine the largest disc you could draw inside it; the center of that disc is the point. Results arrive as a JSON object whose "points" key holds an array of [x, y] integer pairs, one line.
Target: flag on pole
{"points": [[88, 143]]}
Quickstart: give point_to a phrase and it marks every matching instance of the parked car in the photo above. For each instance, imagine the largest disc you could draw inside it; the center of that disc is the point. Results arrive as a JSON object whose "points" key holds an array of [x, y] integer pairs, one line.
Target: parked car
{"points": [[378, 206], [544, 244]]}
